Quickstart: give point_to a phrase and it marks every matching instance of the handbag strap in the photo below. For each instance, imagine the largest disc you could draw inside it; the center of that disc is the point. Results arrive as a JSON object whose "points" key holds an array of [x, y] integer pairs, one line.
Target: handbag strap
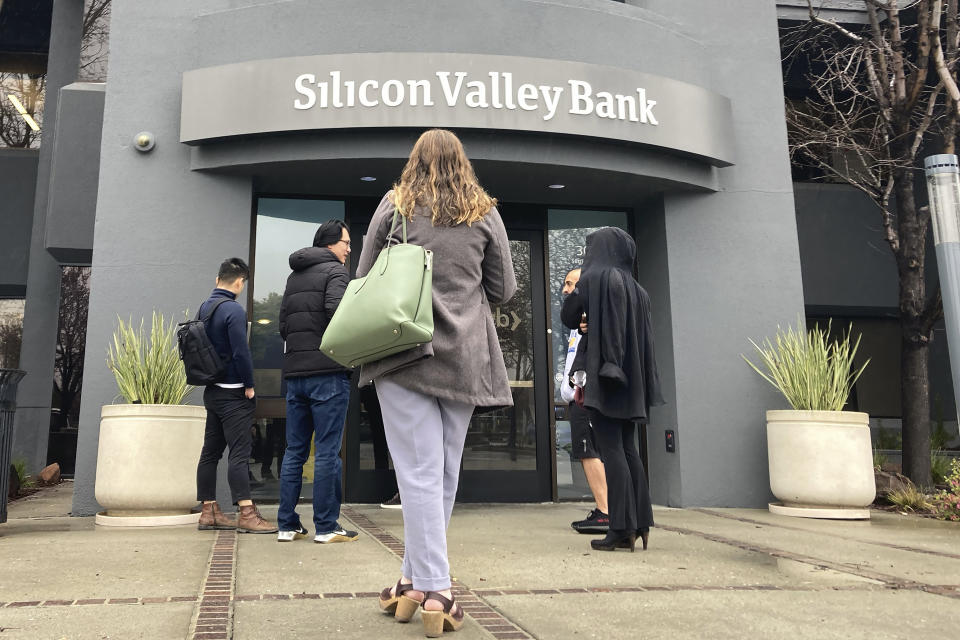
{"points": [[393, 225]]}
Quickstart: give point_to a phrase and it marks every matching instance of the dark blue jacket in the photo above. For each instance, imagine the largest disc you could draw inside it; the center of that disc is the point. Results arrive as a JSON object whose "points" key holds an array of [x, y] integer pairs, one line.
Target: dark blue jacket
{"points": [[227, 330]]}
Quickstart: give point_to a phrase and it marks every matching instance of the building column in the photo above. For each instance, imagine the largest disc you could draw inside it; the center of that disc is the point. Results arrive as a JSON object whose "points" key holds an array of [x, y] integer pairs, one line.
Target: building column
{"points": [[31, 426]]}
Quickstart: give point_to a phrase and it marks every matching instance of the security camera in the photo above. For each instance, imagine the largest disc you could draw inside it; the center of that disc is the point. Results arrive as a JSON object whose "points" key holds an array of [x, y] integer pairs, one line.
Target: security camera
{"points": [[144, 141]]}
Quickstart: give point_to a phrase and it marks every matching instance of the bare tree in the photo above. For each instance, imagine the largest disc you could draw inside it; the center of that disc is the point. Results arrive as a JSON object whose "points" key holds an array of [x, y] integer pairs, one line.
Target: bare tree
{"points": [[95, 44], [11, 336], [28, 91], [880, 95], [71, 337]]}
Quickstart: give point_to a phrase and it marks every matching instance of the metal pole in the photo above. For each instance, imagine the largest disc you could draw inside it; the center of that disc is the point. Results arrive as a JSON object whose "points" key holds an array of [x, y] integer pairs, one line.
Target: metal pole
{"points": [[943, 187]]}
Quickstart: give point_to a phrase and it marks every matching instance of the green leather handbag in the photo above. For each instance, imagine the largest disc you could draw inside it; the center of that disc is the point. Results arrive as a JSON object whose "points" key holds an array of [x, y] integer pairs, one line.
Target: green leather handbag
{"points": [[389, 310]]}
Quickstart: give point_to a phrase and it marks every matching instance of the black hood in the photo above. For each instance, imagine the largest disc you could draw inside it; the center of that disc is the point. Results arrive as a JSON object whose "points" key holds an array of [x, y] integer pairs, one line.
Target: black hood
{"points": [[608, 248], [309, 256]]}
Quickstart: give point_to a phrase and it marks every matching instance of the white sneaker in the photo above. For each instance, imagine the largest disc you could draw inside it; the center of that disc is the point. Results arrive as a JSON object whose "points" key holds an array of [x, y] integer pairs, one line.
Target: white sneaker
{"points": [[290, 536], [338, 535]]}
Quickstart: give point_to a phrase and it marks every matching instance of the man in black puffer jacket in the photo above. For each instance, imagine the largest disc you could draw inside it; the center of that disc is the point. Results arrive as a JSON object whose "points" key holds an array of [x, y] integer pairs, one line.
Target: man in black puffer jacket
{"points": [[318, 389]]}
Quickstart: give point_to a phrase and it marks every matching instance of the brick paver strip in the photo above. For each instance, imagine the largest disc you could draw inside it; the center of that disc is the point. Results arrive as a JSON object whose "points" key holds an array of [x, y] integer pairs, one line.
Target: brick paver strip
{"points": [[213, 613], [57, 603], [31, 603], [92, 601]]}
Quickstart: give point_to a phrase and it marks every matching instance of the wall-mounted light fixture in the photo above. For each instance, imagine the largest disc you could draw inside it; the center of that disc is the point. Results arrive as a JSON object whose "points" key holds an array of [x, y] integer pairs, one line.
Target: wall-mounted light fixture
{"points": [[144, 141]]}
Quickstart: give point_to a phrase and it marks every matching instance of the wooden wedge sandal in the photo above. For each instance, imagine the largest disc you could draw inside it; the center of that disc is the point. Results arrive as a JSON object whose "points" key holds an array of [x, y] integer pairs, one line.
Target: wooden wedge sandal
{"points": [[401, 606], [436, 622]]}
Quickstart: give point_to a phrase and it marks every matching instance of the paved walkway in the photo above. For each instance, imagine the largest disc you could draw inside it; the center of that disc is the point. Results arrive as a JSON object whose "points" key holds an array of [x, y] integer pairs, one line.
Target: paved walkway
{"points": [[520, 571]]}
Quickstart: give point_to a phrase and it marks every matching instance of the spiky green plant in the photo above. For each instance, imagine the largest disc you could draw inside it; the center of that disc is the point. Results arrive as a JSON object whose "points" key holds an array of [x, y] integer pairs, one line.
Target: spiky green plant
{"points": [[148, 368], [20, 468], [910, 499], [813, 372]]}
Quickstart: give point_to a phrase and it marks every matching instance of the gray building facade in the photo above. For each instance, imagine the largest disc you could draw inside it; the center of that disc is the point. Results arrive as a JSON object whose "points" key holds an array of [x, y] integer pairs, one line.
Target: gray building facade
{"points": [[246, 161]]}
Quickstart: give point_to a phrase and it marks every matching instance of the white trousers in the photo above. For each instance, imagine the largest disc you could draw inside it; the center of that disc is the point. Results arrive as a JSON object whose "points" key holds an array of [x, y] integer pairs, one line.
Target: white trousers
{"points": [[425, 436]]}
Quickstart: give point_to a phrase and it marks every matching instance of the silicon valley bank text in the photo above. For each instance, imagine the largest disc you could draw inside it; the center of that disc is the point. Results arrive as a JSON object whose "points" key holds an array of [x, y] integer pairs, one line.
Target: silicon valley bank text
{"points": [[496, 90]]}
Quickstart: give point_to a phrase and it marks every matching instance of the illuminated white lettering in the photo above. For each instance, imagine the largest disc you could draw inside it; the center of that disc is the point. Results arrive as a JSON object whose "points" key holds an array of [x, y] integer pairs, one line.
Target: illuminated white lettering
{"points": [[311, 95]]}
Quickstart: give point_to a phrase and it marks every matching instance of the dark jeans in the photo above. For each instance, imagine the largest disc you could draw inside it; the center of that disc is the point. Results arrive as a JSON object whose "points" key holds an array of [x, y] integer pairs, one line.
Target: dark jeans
{"points": [[229, 418], [316, 409], [628, 496]]}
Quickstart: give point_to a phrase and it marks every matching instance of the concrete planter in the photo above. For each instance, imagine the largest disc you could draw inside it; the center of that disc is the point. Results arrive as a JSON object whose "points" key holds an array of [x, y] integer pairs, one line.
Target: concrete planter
{"points": [[821, 463], [147, 464]]}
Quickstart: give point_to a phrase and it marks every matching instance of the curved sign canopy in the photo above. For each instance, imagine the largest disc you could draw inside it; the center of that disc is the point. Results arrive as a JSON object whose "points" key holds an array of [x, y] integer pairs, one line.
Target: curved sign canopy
{"points": [[369, 90]]}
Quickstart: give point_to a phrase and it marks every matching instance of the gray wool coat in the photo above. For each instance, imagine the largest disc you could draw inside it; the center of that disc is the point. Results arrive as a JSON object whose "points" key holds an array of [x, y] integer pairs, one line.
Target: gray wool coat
{"points": [[472, 268]]}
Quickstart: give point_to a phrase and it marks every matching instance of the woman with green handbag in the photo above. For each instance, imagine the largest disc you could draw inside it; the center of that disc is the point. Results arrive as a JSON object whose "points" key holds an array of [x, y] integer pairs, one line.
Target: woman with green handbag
{"points": [[428, 394]]}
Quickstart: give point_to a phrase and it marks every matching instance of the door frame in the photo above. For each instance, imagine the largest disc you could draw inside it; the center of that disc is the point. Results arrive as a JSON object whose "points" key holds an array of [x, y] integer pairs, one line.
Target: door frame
{"points": [[536, 485]]}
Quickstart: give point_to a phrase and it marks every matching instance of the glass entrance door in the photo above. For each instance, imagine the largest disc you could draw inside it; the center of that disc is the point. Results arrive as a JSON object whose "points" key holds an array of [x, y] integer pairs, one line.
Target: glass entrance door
{"points": [[507, 453], [507, 457]]}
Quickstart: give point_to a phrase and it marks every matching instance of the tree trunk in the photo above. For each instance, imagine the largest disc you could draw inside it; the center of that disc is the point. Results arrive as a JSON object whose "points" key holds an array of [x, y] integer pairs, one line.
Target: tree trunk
{"points": [[915, 398], [914, 339]]}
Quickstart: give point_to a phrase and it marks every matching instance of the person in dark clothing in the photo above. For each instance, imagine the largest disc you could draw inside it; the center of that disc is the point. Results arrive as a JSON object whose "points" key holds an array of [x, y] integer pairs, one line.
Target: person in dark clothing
{"points": [[622, 381], [318, 389], [230, 405]]}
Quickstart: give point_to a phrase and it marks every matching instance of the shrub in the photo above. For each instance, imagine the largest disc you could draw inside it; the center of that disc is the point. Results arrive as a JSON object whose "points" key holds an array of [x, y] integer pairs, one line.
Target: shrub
{"points": [[879, 459], [947, 501], [939, 467], [20, 468], [891, 439]]}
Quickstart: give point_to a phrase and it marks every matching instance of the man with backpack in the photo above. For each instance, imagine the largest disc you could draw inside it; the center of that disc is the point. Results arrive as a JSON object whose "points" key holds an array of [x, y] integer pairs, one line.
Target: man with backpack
{"points": [[229, 399]]}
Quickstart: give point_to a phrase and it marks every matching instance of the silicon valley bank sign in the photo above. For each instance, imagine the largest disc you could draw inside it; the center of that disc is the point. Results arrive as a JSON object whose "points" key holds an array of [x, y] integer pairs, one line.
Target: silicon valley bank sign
{"points": [[497, 91], [422, 90]]}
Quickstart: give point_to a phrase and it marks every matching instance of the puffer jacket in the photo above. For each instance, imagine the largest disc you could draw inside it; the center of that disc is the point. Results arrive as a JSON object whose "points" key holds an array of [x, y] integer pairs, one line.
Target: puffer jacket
{"points": [[312, 295]]}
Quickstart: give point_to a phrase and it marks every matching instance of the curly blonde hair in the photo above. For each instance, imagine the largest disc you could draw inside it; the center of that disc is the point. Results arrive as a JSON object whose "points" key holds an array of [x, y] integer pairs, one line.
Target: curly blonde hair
{"points": [[439, 177]]}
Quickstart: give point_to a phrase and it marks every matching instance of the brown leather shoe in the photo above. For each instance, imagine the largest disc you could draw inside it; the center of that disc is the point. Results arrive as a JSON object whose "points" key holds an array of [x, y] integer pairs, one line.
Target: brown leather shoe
{"points": [[250, 521], [212, 518]]}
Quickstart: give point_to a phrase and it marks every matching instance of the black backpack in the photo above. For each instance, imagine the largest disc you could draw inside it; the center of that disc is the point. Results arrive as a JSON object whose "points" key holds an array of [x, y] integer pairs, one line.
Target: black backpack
{"points": [[200, 360]]}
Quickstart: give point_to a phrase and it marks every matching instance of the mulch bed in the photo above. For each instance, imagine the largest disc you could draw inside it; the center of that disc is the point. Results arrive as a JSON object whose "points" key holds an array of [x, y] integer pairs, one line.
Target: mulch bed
{"points": [[24, 493]]}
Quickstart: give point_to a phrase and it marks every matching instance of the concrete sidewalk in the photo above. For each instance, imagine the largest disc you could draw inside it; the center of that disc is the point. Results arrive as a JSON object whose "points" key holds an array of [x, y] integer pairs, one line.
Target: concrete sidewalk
{"points": [[521, 573]]}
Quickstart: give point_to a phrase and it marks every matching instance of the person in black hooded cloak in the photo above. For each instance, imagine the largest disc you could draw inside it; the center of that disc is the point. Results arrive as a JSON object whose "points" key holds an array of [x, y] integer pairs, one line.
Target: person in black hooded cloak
{"points": [[622, 381]]}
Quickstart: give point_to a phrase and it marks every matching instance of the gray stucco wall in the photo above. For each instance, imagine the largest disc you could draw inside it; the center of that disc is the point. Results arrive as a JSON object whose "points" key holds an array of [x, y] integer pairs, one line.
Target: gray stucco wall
{"points": [[733, 262], [18, 184], [32, 420], [74, 171], [727, 267]]}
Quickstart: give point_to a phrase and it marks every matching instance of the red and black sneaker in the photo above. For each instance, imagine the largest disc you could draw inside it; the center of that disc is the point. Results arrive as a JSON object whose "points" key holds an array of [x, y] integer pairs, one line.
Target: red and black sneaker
{"points": [[596, 522]]}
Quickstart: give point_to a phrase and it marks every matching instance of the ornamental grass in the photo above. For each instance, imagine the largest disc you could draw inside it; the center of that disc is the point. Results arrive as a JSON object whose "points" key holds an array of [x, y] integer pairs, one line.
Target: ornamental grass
{"points": [[813, 372], [148, 368]]}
